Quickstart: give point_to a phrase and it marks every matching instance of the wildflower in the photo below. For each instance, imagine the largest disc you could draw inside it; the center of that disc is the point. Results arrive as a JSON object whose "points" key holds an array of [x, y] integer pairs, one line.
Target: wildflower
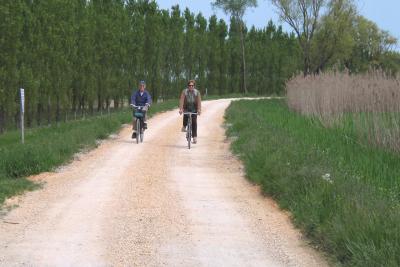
{"points": [[327, 177]]}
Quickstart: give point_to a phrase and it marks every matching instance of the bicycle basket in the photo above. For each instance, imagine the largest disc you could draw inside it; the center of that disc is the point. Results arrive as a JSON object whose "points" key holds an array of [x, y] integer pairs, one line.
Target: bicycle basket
{"points": [[139, 114]]}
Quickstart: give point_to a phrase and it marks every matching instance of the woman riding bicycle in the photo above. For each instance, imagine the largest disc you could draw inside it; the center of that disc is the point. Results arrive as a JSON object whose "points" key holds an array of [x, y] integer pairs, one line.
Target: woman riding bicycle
{"points": [[140, 97], [190, 101]]}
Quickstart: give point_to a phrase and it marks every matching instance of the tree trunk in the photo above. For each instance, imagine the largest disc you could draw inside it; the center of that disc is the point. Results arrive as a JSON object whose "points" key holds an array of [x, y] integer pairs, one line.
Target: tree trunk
{"points": [[48, 110], [91, 107], [116, 103], [39, 114], [2, 120], [108, 101], [243, 57], [74, 102], [17, 119], [99, 103], [307, 60], [29, 114], [81, 107], [306, 67], [58, 109]]}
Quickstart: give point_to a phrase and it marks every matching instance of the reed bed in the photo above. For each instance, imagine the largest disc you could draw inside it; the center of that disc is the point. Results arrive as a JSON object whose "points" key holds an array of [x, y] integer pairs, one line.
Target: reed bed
{"points": [[367, 105]]}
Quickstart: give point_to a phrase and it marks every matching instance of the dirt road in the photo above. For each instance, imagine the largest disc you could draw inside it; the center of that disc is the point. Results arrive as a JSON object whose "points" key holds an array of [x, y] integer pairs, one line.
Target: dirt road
{"points": [[153, 204]]}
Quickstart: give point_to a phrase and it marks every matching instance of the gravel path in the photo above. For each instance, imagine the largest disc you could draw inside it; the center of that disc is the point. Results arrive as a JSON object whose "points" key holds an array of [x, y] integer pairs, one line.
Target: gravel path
{"points": [[153, 204]]}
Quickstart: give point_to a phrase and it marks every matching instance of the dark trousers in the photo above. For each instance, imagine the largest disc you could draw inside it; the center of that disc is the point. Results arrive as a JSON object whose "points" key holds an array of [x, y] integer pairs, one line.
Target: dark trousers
{"points": [[194, 123]]}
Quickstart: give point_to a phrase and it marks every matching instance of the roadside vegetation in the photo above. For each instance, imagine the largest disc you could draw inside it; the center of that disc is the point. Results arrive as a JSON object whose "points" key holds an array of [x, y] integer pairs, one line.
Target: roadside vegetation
{"points": [[46, 148], [342, 190], [364, 106], [238, 95]]}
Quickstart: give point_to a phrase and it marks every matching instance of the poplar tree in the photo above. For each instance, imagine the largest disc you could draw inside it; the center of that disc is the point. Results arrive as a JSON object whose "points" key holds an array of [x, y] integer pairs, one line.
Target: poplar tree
{"points": [[214, 56], [201, 49], [189, 44], [223, 51], [237, 8], [10, 28]]}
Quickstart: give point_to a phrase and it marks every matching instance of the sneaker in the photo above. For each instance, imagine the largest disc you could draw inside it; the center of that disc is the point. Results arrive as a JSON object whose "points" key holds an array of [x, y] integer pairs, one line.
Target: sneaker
{"points": [[133, 135], [194, 140], [183, 129], [145, 125]]}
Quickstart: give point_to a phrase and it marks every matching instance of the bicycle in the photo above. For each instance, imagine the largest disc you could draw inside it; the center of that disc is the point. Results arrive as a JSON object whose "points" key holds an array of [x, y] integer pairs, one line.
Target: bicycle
{"points": [[139, 116], [189, 127]]}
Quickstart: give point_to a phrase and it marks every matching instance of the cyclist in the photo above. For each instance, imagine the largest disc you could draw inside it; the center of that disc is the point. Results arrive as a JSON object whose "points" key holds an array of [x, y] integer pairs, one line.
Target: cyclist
{"points": [[190, 101], [140, 97]]}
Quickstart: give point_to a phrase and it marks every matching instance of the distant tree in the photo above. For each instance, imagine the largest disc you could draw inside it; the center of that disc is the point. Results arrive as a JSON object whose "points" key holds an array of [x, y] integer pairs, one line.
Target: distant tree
{"points": [[371, 45], [176, 27], [222, 33], [235, 70], [189, 43], [338, 38], [237, 8], [201, 51], [302, 16], [334, 41], [166, 71], [214, 56]]}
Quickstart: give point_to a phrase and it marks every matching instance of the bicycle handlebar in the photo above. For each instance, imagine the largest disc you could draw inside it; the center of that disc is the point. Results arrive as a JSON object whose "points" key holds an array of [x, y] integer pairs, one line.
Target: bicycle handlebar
{"points": [[189, 113], [140, 107]]}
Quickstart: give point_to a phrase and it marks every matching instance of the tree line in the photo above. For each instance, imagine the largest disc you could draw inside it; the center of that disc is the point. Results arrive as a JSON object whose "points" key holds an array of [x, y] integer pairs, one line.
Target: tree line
{"points": [[83, 57], [78, 56]]}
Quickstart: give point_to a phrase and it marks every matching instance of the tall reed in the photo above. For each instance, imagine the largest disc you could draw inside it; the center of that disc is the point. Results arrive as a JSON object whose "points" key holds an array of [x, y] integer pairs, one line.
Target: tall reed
{"points": [[367, 105]]}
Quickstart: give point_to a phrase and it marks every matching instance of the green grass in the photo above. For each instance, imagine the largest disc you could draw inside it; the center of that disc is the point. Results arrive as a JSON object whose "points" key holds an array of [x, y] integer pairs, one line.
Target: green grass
{"points": [[232, 95], [354, 212], [48, 147]]}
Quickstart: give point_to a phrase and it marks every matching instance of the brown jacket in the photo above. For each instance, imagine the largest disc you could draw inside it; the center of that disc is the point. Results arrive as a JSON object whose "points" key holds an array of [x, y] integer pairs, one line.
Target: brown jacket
{"points": [[183, 100]]}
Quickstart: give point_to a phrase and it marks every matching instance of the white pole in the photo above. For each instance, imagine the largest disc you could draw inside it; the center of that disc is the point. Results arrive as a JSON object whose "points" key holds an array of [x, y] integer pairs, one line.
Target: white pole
{"points": [[22, 114]]}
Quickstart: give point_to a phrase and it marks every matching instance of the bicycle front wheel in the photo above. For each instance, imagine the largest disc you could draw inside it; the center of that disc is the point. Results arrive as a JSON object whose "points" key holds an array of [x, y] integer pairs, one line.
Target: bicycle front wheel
{"points": [[141, 130], [189, 133], [137, 130]]}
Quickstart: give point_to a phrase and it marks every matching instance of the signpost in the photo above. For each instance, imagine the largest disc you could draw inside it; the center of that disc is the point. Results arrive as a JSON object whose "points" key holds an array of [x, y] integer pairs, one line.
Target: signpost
{"points": [[22, 113]]}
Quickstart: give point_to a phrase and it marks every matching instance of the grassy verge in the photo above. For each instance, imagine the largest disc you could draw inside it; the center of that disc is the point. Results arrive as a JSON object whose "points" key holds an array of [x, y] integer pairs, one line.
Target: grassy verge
{"points": [[47, 148], [344, 195], [233, 95]]}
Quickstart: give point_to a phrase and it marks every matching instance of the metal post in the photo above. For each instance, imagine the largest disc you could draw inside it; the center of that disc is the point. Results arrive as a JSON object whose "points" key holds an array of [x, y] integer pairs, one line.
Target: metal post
{"points": [[22, 114]]}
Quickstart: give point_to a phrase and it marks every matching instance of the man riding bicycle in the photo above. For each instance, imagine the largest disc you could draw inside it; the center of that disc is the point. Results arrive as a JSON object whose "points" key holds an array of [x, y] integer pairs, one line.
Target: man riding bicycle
{"points": [[142, 98], [190, 101]]}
